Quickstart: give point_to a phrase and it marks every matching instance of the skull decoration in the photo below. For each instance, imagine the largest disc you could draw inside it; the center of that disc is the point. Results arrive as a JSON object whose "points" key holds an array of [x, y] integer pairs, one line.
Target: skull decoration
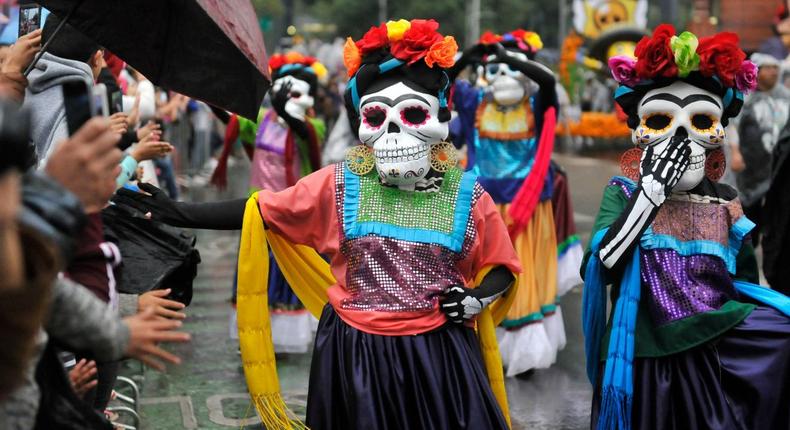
{"points": [[508, 87], [681, 109], [400, 124], [299, 100]]}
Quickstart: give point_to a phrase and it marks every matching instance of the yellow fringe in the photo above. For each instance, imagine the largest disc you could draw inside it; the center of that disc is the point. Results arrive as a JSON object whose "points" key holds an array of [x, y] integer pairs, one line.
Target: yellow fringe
{"points": [[310, 276]]}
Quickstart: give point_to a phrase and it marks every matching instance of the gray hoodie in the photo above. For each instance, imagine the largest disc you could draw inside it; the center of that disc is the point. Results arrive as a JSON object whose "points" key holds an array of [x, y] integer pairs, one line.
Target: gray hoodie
{"points": [[44, 100]]}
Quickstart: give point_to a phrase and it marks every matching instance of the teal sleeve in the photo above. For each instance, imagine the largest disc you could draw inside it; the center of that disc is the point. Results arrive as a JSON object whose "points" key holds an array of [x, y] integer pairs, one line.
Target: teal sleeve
{"points": [[128, 166], [612, 204]]}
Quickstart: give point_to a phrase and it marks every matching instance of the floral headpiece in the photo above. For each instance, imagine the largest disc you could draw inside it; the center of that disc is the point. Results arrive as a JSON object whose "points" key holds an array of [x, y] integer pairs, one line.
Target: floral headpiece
{"points": [[291, 61], [666, 55], [527, 41], [400, 43], [407, 41]]}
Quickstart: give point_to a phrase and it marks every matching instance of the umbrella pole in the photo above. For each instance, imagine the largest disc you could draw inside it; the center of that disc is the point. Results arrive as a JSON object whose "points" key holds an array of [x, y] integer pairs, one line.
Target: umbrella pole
{"points": [[51, 38]]}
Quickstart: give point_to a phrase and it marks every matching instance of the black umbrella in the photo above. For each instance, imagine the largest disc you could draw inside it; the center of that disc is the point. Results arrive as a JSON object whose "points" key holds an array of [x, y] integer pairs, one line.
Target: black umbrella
{"points": [[211, 50]]}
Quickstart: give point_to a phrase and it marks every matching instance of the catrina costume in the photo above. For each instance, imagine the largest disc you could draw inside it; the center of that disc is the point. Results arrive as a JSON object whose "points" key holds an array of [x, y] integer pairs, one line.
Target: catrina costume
{"points": [[508, 124], [420, 261], [284, 143], [691, 343]]}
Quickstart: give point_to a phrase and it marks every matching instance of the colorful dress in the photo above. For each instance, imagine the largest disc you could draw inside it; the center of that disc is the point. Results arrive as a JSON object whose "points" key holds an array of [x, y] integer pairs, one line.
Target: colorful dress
{"points": [[385, 354], [706, 355], [292, 326], [502, 148]]}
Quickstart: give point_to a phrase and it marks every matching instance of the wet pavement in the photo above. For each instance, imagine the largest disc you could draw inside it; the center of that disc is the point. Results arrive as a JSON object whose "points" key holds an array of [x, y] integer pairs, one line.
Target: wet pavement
{"points": [[208, 390]]}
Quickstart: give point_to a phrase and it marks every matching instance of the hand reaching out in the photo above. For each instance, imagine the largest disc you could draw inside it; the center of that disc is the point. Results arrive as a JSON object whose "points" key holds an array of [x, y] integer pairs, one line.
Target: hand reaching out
{"points": [[146, 331], [151, 147], [148, 128], [83, 377], [162, 307], [118, 122]]}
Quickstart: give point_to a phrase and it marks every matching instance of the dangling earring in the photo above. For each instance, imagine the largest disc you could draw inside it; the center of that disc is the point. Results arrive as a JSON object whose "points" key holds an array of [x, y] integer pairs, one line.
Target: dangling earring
{"points": [[360, 160], [629, 163], [715, 164], [443, 157]]}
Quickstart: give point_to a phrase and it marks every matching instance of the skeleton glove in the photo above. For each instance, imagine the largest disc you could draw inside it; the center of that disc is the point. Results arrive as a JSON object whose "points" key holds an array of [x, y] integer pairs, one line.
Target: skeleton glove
{"points": [[660, 174], [279, 99], [460, 303]]}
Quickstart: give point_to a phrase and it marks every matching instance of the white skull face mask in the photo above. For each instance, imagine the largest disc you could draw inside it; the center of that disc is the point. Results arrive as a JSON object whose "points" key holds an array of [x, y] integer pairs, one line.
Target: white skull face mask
{"points": [[400, 124], [299, 100], [681, 108], [508, 86]]}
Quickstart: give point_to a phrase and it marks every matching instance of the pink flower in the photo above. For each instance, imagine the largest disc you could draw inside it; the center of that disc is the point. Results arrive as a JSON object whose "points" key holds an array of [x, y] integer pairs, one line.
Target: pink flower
{"points": [[746, 78], [624, 70]]}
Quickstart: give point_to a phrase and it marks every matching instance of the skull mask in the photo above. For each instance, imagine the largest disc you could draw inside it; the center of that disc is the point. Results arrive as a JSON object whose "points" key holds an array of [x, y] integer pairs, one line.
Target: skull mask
{"points": [[681, 109], [508, 87], [400, 124], [299, 100]]}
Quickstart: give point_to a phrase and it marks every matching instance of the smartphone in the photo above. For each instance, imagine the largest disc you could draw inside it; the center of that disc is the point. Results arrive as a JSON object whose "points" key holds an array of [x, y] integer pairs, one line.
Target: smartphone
{"points": [[78, 101], [100, 105], [29, 18]]}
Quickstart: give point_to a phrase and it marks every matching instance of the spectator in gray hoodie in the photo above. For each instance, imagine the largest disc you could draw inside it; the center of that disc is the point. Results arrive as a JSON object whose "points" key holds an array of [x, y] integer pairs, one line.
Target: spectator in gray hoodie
{"points": [[71, 56]]}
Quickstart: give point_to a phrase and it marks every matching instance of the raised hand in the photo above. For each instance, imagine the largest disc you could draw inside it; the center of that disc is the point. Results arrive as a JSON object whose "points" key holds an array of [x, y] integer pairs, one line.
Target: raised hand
{"points": [[163, 307], [22, 52], [661, 173], [146, 331]]}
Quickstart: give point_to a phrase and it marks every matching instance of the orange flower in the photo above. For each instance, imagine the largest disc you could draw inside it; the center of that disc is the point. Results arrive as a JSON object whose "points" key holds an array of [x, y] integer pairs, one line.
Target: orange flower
{"points": [[293, 57], [442, 53], [351, 57]]}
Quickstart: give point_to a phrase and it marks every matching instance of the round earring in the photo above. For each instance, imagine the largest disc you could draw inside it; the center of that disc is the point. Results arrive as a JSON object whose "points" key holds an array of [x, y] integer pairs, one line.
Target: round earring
{"points": [[629, 163], [360, 160], [715, 164], [443, 157]]}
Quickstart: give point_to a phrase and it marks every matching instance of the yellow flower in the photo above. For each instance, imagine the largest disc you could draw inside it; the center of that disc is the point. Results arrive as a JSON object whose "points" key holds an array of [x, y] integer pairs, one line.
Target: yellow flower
{"points": [[319, 69], [395, 29], [533, 39]]}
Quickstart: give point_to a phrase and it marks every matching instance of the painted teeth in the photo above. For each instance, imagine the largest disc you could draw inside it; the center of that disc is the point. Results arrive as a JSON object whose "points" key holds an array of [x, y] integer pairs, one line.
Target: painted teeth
{"points": [[401, 154]]}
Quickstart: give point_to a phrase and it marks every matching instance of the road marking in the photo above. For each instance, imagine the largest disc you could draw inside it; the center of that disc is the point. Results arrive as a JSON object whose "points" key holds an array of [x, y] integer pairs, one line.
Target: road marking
{"points": [[188, 419], [217, 416]]}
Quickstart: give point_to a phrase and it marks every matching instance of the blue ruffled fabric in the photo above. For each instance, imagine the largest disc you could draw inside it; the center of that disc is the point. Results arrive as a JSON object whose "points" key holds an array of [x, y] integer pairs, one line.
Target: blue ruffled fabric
{"points": [[765, 295], [453, 241]]}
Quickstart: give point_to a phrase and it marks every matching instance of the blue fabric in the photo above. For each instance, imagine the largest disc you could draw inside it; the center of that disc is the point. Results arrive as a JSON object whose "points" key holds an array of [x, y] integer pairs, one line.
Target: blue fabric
{"points": [[617, 388], [453, 241], [510, 159], [765, 295]]}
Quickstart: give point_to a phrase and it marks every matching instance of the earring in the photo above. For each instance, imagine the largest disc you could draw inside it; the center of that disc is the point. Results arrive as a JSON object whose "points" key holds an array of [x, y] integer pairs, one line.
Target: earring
{"points": [[715, 164], [443, 157], [629, 163], [360, 160]]}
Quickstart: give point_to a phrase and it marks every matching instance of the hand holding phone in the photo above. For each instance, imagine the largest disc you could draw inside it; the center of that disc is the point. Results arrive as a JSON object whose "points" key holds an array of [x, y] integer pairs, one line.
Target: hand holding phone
{"points": [[22, 52]]}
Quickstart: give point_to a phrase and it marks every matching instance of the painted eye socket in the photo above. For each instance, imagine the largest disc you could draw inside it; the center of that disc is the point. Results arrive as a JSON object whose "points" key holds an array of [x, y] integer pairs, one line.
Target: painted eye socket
{"points": [[414, 116], [492, 68], [702, 122], [658, 121], [374, 117]]}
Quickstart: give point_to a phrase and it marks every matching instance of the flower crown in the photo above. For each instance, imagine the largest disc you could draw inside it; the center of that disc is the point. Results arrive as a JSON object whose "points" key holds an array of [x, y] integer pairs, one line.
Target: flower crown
{"points": [[407, 41], [280, 63], [528, 41], [666, 55]]}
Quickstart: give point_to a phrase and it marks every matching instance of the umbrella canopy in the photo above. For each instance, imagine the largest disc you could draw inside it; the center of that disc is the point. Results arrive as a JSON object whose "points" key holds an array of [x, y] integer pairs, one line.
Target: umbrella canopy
{"points": [[211, 50]]}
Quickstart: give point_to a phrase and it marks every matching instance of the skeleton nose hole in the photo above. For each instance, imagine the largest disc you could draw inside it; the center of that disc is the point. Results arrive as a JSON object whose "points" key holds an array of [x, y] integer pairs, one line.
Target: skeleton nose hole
{"points": [[682, 132], [393, 128]]}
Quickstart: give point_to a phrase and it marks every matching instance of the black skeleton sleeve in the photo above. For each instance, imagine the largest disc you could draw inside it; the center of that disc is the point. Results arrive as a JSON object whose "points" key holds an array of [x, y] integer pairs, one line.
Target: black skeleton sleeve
{"points": [[460, 303], [660, 173], [222, 215], [278, 103]]}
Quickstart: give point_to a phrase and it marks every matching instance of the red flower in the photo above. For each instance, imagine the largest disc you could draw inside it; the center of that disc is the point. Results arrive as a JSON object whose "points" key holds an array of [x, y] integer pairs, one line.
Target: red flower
{"points": [[654, 55], [489, 38], [417, 40], [373, 40], [308, 61], [276, 61], [518, 34], [721, 56]]}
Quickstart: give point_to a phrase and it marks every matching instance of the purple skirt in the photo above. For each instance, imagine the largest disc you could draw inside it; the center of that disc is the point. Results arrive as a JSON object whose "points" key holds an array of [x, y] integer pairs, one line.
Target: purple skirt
{"points": [[738, 381], [429, 381]]}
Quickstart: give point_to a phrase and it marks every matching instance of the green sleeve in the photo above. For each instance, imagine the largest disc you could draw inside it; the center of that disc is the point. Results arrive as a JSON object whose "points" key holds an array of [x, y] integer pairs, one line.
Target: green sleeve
{"points": [[612, 204], [248, 128], [746, 265], [320, 129]]}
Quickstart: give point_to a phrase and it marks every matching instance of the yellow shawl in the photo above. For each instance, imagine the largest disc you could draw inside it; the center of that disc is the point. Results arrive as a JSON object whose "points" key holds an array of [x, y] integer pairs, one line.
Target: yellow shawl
{"points": [[309, 276]]}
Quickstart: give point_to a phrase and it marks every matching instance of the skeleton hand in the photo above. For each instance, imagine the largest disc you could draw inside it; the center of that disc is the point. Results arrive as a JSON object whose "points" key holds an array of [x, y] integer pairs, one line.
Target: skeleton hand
{"points": [[460, 303], [660, 174], [280, 98]]}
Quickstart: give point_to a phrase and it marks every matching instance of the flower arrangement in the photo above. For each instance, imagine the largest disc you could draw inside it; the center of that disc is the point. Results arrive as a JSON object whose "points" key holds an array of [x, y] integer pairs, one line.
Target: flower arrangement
{"points": [[528, 41], [277, 61], [667, 55], [408, 41]]}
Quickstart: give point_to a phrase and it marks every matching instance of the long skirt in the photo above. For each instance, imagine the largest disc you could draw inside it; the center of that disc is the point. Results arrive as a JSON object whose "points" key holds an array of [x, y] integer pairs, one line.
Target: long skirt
{"points": [[430, 381], [738, 381]]}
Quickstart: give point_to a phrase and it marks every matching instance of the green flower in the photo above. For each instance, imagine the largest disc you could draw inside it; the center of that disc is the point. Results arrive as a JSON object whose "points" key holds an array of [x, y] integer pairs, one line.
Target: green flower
{"points": [[685, 49]]}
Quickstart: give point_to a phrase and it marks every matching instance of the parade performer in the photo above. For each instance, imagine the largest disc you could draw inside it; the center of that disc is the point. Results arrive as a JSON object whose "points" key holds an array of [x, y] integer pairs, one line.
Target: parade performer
{"points": [[508, 126], [285, 144], [690, 343], [418, 251]]}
